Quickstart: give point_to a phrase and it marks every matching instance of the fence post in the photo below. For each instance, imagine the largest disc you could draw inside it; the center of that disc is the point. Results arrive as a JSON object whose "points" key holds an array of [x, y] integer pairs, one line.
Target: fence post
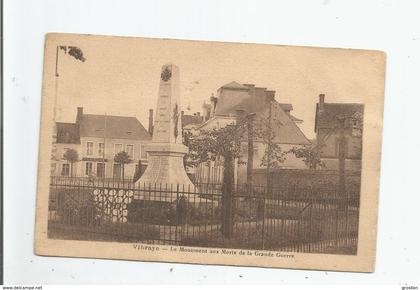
{"points": [[263, 219], [177, 213], [311, 223], [337, 216]]}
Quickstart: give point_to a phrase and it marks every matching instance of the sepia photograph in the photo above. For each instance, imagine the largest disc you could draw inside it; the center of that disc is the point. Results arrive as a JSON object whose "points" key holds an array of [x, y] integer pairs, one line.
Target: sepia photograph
{"points": [[209, 152]]}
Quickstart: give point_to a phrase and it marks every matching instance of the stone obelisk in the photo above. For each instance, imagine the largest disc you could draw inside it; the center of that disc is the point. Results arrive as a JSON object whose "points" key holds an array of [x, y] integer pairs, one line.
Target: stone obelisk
{"points": [[166, 151]]}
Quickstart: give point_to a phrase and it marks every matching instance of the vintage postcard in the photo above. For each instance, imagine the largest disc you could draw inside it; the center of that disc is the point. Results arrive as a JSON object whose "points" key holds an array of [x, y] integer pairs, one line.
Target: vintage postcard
{"points": [[209, 152]]}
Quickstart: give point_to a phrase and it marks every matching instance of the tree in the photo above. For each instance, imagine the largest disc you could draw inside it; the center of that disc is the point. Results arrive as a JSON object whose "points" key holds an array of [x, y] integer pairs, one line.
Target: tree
{"points": [[248, 120], [310, 155], [264, 131], [122, 158], [347, 124], [207, 146], [195, 153], [226, 143], [138, 173], [72, 157]]}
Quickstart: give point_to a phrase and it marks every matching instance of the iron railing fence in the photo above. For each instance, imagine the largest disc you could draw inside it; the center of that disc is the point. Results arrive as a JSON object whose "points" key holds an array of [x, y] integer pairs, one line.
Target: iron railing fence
{"points": [[323, 221]]}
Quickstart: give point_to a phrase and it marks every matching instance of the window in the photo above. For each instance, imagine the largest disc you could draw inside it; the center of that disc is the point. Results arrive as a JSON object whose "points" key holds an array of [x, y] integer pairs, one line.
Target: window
{"points": [[130, 150], [255, 150], [337, 148], [65, 170], [101, 149], [117, 148], [100, 169], [143, 154], [244, 148], [89, 148], [117, 172], [53, 168], [88, 168]]}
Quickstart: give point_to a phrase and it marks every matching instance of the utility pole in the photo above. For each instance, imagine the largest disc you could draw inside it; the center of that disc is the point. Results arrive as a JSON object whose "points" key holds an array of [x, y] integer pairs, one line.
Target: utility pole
{"points": [[250, 162], [103, 149], [78, 55], [268, 189], [342, 157], [269, 147], [55, 130]]}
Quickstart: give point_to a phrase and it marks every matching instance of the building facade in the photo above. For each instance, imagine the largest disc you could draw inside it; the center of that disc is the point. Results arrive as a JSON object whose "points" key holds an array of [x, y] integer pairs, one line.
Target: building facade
{"points": [[233, 100], [329, 129], [97, 139]]}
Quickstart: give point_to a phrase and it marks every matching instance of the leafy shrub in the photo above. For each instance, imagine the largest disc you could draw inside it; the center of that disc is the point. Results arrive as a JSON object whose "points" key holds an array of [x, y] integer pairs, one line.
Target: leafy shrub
{"points": [[177, 212], [152, 212], [74, 206]]}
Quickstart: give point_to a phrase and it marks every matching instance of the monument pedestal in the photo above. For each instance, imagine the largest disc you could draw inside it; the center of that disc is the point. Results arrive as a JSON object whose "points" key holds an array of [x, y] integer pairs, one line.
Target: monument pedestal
{"points": [[166, 165], [165, 173]]}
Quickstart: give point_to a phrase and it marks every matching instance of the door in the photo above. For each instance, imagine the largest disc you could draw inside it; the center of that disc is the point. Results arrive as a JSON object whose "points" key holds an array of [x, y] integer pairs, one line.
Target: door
{"points": [[100, 169], [117, 172]]}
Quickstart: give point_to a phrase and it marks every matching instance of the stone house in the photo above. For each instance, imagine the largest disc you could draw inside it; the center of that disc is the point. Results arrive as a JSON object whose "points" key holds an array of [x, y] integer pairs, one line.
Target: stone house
{"points": [[234, 99], [191, 122], [327, 129], [97, 139]]}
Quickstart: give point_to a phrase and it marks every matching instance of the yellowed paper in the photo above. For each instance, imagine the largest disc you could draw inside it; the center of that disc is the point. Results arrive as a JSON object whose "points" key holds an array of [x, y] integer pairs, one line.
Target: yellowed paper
{"points": [[209, 152]]}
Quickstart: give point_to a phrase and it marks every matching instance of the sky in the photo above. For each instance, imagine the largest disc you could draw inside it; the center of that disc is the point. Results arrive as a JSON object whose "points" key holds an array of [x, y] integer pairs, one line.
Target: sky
{"points": [[121, 75]]}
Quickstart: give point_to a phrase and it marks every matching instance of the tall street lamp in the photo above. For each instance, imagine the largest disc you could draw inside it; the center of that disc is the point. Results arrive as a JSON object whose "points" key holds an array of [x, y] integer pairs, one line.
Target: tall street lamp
{"points": [[77, 53]]}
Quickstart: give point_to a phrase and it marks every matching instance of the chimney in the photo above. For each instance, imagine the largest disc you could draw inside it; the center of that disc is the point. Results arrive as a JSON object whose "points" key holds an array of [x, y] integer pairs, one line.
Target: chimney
{"points": [[182, 113], [269, 96], [321, 102], [151, 121], [79, 114], [206, 111], [198, 114], [213, 101]]}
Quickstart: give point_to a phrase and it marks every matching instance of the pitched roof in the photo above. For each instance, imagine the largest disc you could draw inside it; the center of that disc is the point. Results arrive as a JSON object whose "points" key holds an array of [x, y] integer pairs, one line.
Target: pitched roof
{"points": [[234, 85], [235, 97], [253, 99], [248, 104], [328, 117], [191, 120], [285, 129], [287, 108], [67, 133], [294, 119], [113, 127]]}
